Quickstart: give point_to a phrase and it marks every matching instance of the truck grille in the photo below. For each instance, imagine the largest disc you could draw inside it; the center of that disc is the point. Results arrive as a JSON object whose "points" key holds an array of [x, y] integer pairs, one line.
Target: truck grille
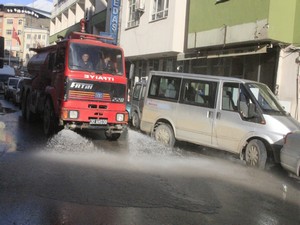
{"points": [[89, 96]]}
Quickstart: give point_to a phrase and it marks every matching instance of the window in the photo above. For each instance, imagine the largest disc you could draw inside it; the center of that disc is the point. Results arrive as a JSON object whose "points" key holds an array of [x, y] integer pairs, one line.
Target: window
{"points": [[19, 32], [20, 22], [199, 92], [134, 17], [28, 36], [160, 9], [8, 32], [165, 87], [9, 21], [7, 43], [136, 93], [230, 96]]}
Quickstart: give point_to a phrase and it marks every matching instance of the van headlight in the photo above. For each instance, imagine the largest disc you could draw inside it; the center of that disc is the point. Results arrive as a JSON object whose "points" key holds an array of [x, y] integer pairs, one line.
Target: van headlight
{"points": [[120, 117]]}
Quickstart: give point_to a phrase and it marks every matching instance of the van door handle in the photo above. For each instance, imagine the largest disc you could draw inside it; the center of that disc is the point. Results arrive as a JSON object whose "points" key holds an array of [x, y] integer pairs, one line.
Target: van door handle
{"points": [[209, 114], [218, 115]]}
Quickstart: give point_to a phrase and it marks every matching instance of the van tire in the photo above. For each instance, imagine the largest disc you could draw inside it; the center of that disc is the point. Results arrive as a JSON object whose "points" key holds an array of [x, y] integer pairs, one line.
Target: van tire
{"points": [[164, 134], [49, 118], [256, 154], [135, 120]]}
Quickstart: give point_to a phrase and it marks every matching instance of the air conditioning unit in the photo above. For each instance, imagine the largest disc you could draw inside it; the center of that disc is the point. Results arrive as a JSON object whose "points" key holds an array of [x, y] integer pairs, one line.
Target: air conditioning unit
{"points": [[140, 5]]}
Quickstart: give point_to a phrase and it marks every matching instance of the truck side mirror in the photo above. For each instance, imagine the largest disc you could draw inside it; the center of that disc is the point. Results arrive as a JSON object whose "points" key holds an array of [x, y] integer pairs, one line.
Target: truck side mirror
{"points": [[131, 71]]}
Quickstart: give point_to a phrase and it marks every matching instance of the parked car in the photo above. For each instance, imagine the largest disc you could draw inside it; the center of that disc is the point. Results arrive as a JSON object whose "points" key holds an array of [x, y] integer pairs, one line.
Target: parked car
{"points": [[1, 87], [16, 91], [5, 73], [11, 85], [290, 153]]}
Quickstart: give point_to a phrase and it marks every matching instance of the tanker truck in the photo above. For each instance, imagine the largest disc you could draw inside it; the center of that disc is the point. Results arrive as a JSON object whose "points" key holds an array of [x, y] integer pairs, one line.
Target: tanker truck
{"points": [[64, 92]]}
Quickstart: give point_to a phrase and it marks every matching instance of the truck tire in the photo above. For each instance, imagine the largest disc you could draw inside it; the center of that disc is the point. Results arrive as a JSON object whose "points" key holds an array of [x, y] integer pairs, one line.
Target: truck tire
{"points": [[164, 134], [23, 108], [28, 114], [256, 154], [49, 121], [112, 136]]}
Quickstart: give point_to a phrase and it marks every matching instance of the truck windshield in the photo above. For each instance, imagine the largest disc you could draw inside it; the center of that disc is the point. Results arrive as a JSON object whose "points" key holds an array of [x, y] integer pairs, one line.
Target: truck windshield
{"points": [[266, 99], [96, 59]]}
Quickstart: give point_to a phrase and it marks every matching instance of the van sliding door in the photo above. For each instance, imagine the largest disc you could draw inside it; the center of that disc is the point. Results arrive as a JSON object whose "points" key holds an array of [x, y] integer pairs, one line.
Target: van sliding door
{"points": [[196, 111]]}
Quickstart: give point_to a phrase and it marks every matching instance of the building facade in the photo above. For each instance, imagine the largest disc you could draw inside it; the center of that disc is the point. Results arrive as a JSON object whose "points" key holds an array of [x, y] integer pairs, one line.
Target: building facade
{"points": [[21, 27], [251, 39], [67, 14], [152, 34]]}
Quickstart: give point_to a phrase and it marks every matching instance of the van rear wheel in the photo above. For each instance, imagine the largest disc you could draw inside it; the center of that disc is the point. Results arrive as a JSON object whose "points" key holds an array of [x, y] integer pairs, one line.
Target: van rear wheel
{"points": [[164, 134], [256, 154]]}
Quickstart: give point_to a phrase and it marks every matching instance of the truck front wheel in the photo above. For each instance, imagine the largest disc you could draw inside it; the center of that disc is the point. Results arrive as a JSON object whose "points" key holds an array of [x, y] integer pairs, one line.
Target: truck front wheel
{"points": [[49, 118]]}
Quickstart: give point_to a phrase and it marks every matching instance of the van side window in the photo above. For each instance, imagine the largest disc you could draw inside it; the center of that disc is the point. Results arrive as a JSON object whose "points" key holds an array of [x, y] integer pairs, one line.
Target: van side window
{"points": [[136, 92], [199, 92], [230, 96], [164, 87]]}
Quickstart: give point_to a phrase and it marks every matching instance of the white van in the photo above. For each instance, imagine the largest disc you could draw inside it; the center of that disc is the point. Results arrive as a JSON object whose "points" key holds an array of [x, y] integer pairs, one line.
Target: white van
{"points": [[231, 114]]}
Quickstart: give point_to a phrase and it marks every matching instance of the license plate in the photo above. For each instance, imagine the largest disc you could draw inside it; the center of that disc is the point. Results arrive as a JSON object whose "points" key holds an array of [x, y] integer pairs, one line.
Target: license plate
{"points": [[98, 121]]}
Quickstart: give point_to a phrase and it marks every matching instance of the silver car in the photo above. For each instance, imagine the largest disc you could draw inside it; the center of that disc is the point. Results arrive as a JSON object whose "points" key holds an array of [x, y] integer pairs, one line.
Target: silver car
{"points": [[290, 153]]}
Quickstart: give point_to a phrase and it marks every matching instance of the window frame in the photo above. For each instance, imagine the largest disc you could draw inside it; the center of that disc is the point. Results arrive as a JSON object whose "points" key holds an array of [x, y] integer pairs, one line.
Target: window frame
{"points": [[157, 13], [133, 17]]}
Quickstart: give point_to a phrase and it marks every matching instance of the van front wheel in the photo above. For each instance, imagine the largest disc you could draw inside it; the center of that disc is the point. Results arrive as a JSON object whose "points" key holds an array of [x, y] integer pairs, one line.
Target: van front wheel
{"points": [[164, 134], [256, 154]]}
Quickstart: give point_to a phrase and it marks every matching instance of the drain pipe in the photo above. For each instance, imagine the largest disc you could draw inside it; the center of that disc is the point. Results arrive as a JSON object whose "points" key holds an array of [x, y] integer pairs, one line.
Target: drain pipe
{"points": [[297, 87]]}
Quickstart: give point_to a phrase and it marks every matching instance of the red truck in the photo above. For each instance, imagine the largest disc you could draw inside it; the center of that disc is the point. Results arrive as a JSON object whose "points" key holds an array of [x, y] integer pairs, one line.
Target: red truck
{"points": [[66, 92]]}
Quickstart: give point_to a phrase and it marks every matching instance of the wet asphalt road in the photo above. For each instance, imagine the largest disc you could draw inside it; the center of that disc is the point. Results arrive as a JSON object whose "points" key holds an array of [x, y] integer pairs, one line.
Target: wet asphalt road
{"points": [[83, 179]]}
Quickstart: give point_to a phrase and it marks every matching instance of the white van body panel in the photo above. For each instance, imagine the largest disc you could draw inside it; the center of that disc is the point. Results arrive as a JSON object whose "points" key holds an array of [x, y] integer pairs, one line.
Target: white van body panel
{"points": [[212, 126]]}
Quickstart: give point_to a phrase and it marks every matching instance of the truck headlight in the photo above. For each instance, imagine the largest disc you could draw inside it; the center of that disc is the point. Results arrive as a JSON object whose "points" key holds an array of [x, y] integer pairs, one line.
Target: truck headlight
{"points": [[73, 114], [120, 117]]}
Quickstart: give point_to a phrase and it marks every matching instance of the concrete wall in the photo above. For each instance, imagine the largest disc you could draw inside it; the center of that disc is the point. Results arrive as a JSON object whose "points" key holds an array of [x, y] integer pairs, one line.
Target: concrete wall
{"points": [[287, 74], [164, 37]]}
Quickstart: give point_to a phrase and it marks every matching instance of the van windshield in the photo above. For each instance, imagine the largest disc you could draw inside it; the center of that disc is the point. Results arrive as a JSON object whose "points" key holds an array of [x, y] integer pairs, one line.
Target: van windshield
{"points": [[95, 58], [266, 99]]}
